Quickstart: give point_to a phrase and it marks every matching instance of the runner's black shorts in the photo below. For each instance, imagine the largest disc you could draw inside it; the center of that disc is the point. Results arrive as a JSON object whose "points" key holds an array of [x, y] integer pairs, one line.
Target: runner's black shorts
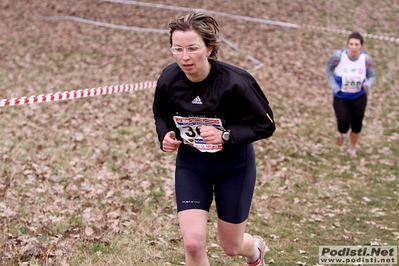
{"points": [[350, 113], [230, 176]]}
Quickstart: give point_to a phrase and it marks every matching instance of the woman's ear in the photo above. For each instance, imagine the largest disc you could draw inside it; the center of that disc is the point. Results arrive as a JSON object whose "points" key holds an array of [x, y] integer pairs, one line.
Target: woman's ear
{"points": [[209, 50]]}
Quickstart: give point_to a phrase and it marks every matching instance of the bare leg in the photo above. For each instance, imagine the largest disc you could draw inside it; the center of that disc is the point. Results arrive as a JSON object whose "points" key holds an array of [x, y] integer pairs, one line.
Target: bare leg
{"points": [[354, 138], [193, 226], [234, 241]]}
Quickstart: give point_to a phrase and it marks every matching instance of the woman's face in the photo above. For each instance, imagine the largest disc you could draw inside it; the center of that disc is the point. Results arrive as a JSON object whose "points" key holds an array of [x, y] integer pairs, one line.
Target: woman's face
{"points": [[195, 65], [354, 47]]}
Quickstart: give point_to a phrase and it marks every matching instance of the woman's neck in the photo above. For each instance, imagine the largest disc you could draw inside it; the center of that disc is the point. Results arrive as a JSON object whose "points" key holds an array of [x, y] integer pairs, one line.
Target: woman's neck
{"points": [[201, 76]]}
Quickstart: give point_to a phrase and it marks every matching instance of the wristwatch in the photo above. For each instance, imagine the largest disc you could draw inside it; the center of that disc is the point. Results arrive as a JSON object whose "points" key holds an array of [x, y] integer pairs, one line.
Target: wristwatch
{"points": [[226, 136]]}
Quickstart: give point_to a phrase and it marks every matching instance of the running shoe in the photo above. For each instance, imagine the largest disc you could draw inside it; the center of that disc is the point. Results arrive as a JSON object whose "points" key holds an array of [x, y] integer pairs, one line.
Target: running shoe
{"points": [[352, 153], [260, 244]]}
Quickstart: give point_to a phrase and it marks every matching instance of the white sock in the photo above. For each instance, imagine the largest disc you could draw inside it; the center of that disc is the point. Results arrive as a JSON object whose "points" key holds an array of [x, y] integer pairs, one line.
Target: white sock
{"points": [[257, 255]]}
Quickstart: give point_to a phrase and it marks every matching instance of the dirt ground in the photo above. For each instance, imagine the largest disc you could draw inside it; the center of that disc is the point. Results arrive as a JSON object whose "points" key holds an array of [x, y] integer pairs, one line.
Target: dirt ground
{"points": [[52, 151]]}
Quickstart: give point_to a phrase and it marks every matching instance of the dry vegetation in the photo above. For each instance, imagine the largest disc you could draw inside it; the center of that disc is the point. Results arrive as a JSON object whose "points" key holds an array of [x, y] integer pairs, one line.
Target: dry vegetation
{"points": [[83, 182]]}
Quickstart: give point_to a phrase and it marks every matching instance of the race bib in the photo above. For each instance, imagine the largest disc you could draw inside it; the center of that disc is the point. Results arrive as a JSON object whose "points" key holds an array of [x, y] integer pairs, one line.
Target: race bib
{"points": [[352, 83], [189, 132]]}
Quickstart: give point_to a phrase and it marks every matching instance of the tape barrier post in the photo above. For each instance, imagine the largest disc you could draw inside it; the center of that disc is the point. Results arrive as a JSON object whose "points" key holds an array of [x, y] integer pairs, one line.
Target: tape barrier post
{"points": [[66, 95], [299, 36], [67, 35]]}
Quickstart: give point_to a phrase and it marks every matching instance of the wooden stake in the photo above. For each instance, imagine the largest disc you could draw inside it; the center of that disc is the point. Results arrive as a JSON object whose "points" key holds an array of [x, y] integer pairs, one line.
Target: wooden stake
{"points": [[67, 36], [299, 36]]}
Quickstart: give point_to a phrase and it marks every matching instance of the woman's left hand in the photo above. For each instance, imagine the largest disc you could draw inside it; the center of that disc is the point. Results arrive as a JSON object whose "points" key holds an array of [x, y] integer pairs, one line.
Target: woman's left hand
{"points": [[211, 135]]}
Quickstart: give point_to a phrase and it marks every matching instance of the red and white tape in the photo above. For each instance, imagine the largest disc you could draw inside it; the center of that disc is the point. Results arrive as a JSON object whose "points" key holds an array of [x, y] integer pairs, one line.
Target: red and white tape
{"points": [[66, 95], [372, 36]]}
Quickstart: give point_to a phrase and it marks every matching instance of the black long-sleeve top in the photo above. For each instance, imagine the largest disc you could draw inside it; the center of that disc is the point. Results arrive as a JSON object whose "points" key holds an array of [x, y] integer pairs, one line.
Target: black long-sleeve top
{"points": [[228, 93]]}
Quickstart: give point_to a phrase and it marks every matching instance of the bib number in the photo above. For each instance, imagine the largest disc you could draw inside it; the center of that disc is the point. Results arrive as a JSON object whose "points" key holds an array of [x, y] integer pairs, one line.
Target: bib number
{"points": [[190, 133], [352, 83]]}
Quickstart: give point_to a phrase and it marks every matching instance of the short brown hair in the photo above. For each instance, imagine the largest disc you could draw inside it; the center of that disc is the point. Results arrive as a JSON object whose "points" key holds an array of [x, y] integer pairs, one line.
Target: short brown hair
{"points": [[206, 26]]}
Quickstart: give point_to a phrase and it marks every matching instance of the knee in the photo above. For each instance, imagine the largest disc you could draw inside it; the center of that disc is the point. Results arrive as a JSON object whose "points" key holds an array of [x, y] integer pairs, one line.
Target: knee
{"points": [[356, 128], [194, 247], [343, 125], [231, 249], [343, 128]]}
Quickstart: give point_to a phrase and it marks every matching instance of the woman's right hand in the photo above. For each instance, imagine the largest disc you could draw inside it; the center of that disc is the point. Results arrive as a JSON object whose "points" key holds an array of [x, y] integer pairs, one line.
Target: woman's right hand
{"points": [[169, 143]]}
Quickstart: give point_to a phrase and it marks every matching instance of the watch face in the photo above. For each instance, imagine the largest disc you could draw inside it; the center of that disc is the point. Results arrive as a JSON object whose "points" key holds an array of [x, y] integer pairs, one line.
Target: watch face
{"points": [[226, 136]]}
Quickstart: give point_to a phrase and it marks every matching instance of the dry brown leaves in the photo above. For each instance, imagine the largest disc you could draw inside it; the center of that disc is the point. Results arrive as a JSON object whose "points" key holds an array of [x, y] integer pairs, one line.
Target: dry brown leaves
{"points": [[83, 170]]}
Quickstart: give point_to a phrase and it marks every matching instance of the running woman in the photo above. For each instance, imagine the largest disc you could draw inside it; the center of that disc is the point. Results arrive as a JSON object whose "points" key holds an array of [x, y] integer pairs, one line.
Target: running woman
{"points": [[351, 74], [210, 112]]}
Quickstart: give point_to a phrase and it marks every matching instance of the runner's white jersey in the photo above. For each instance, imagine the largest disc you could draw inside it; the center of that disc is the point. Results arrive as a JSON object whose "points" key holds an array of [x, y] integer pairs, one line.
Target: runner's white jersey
{"points": [[352, 73]]}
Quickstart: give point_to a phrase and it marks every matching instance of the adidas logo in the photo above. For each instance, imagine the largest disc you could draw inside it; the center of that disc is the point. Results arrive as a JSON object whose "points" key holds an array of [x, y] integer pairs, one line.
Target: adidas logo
{"points": [[197, 100]]}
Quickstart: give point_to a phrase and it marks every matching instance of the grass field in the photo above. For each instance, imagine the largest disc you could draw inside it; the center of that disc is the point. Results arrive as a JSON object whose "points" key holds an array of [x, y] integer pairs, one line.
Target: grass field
{"points": [[83, 182]]}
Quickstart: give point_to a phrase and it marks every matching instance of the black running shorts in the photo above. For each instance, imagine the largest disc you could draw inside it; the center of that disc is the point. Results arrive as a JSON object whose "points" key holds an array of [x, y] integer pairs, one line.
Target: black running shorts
{"points": [[229, 175], [350, 113]]}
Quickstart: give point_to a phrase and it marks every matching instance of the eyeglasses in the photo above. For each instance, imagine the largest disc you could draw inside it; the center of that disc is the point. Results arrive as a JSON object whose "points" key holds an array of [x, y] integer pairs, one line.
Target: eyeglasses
{"points": [[192, 49]]}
